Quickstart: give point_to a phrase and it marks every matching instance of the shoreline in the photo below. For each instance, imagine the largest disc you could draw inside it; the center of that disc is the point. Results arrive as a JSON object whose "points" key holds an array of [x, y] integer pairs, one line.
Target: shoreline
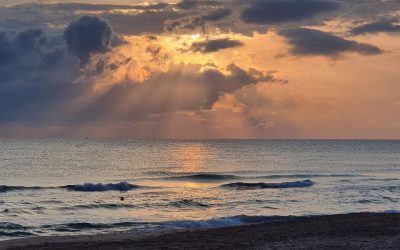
{"points": [[350, 231]]}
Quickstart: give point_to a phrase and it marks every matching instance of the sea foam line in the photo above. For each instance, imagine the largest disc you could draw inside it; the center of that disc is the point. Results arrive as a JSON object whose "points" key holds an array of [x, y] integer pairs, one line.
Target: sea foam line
{"points": [[86, 187], [247, 185]]}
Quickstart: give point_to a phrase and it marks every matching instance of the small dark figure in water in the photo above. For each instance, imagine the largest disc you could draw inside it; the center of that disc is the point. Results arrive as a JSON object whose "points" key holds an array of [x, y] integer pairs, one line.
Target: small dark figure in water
{"points": [[122, 198]]}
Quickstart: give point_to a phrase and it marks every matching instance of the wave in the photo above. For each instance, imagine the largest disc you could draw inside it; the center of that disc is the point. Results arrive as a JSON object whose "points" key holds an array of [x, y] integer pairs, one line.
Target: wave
{"points": [[204, 177], [188, 203], [100, 187], [16, 234], [279, 176], [8, 229], [223, 222], [5, 188], [246, 185], [81, 226], [11, 226], [86, 187], [98, 206]]}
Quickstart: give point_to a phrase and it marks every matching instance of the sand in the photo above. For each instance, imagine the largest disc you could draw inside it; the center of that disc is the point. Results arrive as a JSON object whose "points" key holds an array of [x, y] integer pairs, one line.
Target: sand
{"points": [[350, 231]]}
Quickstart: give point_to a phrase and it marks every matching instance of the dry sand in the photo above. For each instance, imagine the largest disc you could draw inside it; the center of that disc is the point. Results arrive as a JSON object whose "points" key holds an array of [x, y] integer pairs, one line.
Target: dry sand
{"points": [[350, 231]]}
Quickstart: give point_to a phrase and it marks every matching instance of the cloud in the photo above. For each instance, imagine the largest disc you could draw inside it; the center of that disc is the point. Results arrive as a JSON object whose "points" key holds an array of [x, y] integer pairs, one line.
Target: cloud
{"points": [[181, 88], [278, 11], [88, 35], [41, 85], [126, 19], [215, 45], [35, 74], [147, 22], [191, 23], [95, 7], [384, 25], [314, 42], [191, 4]]}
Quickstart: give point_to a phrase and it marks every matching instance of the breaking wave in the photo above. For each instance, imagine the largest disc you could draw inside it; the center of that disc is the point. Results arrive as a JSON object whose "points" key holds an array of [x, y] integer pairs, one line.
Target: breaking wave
{"points": [[246, 185], [100, 187], [279, 176], [86, 187], [223, 222], [81, 226], [4, 188]]}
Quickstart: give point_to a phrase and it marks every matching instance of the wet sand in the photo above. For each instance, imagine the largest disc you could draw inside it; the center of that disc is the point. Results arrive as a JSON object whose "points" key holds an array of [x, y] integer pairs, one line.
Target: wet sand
{"points": [[349, 231]]}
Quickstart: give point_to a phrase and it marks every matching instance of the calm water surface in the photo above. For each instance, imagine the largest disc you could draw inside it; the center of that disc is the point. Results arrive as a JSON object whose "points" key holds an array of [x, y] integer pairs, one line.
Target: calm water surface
{"points": [[59, 187]]}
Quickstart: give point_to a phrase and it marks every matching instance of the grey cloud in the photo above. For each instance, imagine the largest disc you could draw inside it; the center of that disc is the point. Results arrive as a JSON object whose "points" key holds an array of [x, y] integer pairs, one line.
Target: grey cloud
{"points": [[136, 20], [38, 85], [182, 88], [148, 22], [86, 6], [190, 4], [314, 42], [88, 35], [278, 11], [384, 25], [191, 23], [156, 18], [215, 45], [35, 74]]}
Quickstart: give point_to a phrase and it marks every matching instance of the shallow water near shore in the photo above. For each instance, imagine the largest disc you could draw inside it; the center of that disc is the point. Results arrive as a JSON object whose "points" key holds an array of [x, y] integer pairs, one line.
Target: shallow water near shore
{"points": [[63, 187]]}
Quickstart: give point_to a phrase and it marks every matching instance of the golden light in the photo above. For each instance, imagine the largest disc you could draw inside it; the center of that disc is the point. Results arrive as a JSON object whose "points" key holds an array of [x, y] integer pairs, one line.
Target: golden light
{"points": [[191, 156]]}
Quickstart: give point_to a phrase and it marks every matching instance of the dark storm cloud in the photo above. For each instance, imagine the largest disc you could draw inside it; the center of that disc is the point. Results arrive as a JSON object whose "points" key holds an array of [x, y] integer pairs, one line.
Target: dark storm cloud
{"points": [[35, 74], [88, 35], [278, 11], [215, 45], [384, 25], [314, 42]]}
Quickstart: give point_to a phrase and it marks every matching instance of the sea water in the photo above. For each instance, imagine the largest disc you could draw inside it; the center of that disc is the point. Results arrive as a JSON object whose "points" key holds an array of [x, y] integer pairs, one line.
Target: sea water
{"points": [[89, 186]]}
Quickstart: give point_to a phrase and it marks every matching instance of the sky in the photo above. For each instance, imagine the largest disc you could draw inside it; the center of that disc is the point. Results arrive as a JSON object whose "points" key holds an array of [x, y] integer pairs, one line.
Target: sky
{"points": [[200, 69]]}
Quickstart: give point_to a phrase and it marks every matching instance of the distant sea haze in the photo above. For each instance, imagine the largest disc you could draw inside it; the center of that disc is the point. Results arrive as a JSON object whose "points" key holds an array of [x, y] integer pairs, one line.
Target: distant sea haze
{"points": [[88, 186]]}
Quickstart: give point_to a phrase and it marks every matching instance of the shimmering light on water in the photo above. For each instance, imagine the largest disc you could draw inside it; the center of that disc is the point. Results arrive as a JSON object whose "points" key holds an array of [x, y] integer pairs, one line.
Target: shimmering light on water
{"points": [[182, 182]]}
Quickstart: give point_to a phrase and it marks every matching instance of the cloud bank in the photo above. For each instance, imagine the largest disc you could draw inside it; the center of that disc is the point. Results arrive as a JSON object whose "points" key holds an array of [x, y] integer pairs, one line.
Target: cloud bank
{"points": [[384, 25], [314, 42], [278, 11], [215, 45]]}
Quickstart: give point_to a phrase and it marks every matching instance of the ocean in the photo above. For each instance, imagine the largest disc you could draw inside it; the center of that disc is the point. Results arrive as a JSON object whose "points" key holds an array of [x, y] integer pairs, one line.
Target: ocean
{"points": [[90, 186]]}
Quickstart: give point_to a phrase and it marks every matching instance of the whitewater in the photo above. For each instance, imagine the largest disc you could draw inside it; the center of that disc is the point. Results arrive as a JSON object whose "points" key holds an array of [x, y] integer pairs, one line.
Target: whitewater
{"points": [[90, 186]]}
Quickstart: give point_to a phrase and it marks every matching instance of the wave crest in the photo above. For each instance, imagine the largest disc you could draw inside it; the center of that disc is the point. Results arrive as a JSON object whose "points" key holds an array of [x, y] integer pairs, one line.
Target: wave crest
{"points": [[100, 187], [204, 177], [246, 185], [5, 188], [188, 203], [222, 222]]}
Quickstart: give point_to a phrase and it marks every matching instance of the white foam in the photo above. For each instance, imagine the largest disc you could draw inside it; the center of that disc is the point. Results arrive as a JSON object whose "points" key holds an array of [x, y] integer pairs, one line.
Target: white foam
{"points": [[99, 187]]}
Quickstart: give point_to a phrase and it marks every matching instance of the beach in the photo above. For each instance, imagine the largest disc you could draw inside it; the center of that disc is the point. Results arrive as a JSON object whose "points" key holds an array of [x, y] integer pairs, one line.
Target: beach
{"points": [[346, 231]]}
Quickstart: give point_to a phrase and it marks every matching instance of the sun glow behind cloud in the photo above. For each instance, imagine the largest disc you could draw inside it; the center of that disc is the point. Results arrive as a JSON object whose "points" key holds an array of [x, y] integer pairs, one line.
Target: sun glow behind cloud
{"points": [[178, 71]]}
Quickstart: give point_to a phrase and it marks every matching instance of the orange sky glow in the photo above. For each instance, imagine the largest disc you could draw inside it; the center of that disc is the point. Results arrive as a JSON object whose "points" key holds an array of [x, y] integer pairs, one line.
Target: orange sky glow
{"points": [[222, 77]]}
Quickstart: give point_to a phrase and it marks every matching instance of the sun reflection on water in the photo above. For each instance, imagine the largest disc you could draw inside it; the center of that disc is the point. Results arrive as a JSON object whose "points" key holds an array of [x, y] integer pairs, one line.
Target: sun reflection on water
{"points": [[192, 156]]}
